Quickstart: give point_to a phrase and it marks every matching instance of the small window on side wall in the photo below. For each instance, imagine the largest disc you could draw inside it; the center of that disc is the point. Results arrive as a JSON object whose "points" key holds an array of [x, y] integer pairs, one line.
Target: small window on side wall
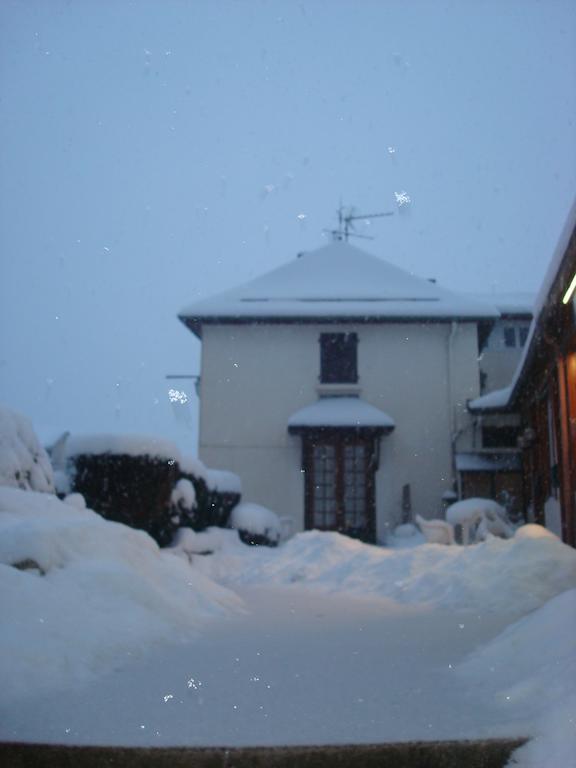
{"points": [[509, 337], [338, 358]]}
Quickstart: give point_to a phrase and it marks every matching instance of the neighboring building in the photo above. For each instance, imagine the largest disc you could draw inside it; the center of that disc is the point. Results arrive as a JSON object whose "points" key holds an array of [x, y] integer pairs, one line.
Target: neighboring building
{"points": [[503, 349], [543, 392], [336, 387], [494, 468]]}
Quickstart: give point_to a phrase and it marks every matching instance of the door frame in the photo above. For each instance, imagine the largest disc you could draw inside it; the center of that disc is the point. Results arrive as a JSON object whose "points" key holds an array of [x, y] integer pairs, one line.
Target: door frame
{"points": [[340, 437]]}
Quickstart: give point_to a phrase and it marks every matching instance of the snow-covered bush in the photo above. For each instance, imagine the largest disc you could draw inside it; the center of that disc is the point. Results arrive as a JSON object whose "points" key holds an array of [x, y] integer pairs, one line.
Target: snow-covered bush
{"points": [[146, 483], [183, 501], [216, 493], [23, 462], [255, 524], [128, 479]]}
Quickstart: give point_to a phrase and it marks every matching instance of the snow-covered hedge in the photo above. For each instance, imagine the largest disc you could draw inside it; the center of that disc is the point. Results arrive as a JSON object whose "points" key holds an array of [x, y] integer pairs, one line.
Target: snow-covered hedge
{"points": [[128, 479], [217, 492], [146, 483], [23, 462], [81, 595]]}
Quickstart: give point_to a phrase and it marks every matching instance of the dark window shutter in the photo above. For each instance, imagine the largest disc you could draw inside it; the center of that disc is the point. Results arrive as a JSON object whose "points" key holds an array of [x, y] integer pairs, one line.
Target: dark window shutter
{"points": [[338, 358]]}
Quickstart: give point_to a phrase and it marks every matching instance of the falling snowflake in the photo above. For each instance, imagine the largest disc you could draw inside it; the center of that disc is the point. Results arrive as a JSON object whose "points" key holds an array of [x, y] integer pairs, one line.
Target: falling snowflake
{"points": [[402, 198], [176, 396], [301, 216], [391, 150]]}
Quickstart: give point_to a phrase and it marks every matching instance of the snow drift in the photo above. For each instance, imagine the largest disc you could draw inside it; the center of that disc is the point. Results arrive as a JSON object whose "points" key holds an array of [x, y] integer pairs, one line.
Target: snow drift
{"points": [[23, 462], [511, 576], [532, 667], [82, 595]]}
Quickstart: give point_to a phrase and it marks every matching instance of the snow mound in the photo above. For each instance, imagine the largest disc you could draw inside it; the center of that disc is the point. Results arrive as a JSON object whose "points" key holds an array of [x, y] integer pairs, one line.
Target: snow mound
{"points": [[256, 520], [23, 462], [512, 576], [534, 664], [189, 542], [469, 510], [82, 595]]}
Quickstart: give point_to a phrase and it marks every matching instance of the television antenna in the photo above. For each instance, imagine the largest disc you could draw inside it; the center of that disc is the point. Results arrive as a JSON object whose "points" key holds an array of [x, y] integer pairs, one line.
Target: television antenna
{"points": [[346, 219]]}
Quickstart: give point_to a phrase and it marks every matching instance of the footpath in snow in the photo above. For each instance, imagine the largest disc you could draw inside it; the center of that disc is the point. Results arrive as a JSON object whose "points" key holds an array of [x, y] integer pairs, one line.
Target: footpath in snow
{"points": [[298, 668], [110, 640]]}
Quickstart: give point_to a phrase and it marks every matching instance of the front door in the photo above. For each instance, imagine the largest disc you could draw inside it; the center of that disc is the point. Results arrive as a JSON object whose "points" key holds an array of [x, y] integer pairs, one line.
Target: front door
{"points": [[340, 485]]}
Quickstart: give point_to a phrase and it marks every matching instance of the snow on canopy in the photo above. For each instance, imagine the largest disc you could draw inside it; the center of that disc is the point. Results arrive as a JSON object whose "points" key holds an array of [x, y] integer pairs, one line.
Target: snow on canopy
{"points": [[341, 412], [23, 462], [487, 462], [337, 280], [497, 399]]}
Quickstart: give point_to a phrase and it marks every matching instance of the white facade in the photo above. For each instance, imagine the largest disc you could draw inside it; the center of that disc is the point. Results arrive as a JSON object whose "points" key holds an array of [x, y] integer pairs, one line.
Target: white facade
{"points": [[254, 377], [260, 369], [503, 351]]}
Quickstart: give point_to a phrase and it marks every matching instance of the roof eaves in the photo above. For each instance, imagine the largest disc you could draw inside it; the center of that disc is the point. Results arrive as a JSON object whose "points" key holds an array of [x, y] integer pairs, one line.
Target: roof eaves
{"points": [[194, 323], [557, 277]]}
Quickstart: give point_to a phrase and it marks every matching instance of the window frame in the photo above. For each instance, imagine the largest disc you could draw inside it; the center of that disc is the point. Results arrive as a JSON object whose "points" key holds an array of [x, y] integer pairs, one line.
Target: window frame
{"points": [[338, 358]]}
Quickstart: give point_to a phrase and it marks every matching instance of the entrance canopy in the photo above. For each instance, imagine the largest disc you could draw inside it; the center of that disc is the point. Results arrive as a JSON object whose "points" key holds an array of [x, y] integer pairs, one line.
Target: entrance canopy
{"points": [[488, 462], [349, 413]]}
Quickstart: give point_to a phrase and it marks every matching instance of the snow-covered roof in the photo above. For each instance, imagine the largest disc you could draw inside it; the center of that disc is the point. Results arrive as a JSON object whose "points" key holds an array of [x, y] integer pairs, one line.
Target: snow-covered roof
{"points": [[509, 303], [548, 296], [484, 462], [497, 399], [340, 412], [336, 281]]}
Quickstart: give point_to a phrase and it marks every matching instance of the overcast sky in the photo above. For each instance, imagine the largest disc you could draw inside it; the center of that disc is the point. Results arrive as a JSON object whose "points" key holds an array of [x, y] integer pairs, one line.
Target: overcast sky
{"points": [[156, 152]]}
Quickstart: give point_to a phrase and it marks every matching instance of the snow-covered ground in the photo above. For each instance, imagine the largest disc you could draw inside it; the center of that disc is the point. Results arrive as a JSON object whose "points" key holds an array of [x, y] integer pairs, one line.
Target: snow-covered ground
{"points": [[80, 596], [110, 640]]}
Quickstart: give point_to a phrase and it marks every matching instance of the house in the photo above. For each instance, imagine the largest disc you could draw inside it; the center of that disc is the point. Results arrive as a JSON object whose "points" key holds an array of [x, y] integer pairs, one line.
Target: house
{"points": [[336, 387], [493, 469], [543, 394]]}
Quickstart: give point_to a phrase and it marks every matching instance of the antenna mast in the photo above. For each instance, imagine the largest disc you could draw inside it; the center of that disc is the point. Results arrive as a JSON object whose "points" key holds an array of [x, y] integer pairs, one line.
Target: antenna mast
{"points": [[346, 221]]}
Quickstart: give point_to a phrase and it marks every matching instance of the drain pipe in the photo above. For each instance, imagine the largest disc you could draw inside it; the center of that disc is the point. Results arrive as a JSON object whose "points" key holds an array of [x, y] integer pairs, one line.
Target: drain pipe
{"points": [[453, 434]]}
